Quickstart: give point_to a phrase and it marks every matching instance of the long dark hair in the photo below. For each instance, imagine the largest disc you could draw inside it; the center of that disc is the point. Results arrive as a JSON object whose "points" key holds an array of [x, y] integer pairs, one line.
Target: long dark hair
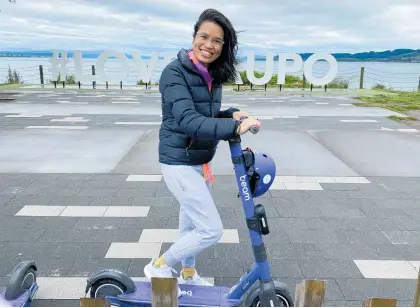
{"points": [[224, 68]]}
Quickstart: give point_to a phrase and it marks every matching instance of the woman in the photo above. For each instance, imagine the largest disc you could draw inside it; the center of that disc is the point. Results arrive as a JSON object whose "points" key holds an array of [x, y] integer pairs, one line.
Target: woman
{"points": [[192, 125]]}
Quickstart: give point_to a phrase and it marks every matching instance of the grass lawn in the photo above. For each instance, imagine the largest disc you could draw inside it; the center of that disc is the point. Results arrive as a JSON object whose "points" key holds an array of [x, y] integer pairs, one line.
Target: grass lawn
{"points": [[8, 86], [407, 103]]}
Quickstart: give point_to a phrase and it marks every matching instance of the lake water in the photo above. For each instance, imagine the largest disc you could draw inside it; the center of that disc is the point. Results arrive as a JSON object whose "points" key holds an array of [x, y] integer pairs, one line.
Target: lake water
{"points": [[399, 76]]}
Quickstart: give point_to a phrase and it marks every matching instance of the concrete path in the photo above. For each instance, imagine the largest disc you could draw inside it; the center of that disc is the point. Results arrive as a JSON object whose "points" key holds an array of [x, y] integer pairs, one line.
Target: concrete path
{"points": [[81, 189]]}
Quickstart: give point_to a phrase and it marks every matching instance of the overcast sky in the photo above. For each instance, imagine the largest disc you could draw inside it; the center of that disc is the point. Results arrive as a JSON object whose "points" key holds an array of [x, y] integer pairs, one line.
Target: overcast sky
{"points": [[278, 25]]}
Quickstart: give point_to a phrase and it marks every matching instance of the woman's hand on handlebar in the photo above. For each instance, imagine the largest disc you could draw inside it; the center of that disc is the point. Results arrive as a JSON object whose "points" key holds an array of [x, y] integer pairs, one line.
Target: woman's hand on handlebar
{"points": [[237, 115], [246, 124]]}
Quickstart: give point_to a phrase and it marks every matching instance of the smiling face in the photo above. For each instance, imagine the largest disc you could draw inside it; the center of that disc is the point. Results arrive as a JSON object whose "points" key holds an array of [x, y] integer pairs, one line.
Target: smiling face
{"points": [[208, 42]]}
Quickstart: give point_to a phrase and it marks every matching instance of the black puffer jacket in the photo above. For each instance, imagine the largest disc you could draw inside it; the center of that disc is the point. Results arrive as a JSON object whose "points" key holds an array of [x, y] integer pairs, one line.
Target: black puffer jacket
{"points": [[192, 123]]}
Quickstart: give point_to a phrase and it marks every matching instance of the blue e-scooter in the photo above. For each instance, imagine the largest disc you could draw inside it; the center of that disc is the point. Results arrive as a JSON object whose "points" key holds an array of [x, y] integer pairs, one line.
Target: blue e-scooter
{"points": [[22, 286], [255, 172]]}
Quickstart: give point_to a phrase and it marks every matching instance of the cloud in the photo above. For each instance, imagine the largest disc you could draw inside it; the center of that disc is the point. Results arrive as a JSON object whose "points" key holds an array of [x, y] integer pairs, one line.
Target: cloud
{"points": [[402, 20], [278, 26]]}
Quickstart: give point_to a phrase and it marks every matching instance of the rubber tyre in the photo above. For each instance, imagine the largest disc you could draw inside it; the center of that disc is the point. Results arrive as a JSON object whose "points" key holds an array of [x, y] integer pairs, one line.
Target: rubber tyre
{"points": [[20, 287], [284, 296], [107, 287], [29, 279]]}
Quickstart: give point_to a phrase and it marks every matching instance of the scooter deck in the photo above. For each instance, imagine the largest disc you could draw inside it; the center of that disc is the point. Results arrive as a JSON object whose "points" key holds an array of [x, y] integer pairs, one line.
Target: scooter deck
{"points": [[191, 296]]}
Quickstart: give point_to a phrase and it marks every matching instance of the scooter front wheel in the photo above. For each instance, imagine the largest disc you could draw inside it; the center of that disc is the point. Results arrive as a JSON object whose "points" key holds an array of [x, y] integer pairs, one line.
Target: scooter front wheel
{"points": [[282, 294], [106, 287]]}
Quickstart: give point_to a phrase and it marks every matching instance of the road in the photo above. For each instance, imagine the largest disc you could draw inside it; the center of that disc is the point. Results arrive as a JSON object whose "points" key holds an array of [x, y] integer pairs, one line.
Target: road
{"points": [[81, 190]]}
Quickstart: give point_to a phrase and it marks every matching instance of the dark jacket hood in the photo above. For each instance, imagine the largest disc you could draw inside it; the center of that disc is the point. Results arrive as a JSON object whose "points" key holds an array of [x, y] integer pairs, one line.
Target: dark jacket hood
{"points": [[186, 61]]}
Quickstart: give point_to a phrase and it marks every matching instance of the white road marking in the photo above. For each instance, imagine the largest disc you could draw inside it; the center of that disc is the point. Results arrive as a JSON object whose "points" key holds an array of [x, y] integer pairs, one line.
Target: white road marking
{"points": [[321, 179], [386, 269], [303, 100], [83, 211], [303, 186], [70, 119], [226, 105], [73, 103], [358, 121], [23, 115], [144, 178], [133, 250], [58, 127], [263, 117], [171, 235], [125, 102], [138, 123]]}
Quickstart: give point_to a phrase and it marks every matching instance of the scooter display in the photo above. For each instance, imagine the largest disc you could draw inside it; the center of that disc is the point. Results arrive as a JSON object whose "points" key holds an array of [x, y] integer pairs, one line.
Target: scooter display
{"points": [[255, 172], [22, 286]]}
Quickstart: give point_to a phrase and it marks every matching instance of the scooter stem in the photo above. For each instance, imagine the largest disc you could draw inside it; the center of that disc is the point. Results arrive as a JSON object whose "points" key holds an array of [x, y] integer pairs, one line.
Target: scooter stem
{"points": [[245, 192], [261, 270]]}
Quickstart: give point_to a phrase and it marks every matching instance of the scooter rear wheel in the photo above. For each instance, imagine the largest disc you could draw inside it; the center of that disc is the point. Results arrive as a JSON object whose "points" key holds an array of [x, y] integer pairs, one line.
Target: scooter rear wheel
{"points": [[20, 282], [107, 287]]}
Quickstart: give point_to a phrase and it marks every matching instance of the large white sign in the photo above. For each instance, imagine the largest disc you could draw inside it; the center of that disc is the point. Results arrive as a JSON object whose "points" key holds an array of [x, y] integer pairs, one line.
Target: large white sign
{"points": [[59, 66]]}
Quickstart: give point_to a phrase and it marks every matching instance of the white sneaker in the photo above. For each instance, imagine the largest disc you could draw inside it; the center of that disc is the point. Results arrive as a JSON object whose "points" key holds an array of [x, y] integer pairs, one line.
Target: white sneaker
{"points": [[195, 280], [162, 271]]}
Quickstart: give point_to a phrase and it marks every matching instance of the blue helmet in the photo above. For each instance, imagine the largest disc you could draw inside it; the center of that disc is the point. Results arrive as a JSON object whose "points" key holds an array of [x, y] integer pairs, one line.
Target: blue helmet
{"points": [[261, 170]]}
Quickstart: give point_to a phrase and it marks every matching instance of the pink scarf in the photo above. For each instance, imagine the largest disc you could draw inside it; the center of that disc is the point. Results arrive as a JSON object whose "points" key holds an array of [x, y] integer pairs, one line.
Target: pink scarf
{"points": [[201, 69], [207, 173]]}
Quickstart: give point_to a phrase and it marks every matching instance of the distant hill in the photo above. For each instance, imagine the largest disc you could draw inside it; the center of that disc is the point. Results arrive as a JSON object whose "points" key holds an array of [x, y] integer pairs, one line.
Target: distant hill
{"points": [[397, 55]]}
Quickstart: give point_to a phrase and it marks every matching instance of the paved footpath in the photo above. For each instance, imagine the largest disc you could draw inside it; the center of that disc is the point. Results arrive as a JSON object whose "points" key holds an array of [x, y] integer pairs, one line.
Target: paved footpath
{"points": [[81, 190]]}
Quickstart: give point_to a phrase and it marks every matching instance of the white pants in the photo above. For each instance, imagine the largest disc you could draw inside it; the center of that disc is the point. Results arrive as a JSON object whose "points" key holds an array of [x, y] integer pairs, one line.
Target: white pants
{"points": [[200, 225]]}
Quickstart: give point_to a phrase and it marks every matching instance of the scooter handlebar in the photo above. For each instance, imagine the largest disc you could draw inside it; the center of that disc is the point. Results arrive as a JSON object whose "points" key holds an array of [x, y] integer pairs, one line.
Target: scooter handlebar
{"points": [[253, 129]]}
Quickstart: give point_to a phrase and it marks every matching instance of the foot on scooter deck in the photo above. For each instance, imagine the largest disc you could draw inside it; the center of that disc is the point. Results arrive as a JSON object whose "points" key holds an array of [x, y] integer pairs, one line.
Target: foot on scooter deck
{"points": [[191, 296]]}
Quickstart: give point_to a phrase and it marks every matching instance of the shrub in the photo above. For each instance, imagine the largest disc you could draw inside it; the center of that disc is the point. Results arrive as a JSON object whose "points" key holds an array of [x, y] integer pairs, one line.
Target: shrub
{"points": [[70, 79], [13, 77], [379, 86]]}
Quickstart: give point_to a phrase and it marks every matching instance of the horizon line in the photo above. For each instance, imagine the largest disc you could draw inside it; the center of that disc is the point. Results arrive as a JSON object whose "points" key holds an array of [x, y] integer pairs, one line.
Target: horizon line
{"points": [[27, 50]]}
